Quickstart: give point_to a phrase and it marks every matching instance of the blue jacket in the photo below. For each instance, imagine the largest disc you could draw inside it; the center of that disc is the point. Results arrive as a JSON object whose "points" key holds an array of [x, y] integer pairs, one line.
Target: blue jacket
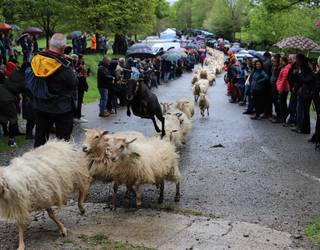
{"points": [[259, 80]]}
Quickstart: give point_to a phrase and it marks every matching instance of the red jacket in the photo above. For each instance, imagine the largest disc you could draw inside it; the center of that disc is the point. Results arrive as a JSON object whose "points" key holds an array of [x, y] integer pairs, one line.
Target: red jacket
{"points": [[9, 68], [282, 82]]}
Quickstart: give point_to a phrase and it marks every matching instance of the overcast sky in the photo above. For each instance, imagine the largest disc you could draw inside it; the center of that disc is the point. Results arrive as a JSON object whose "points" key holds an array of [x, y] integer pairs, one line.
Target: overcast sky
{"points": [[172, 1]]}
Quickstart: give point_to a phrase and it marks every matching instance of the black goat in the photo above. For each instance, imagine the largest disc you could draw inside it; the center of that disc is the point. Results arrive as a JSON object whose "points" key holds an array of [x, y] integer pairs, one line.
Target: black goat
{"points": [[144, 103]]}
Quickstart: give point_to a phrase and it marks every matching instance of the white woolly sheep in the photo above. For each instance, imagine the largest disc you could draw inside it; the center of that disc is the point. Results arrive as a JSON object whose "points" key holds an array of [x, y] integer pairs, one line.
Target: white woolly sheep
{"points": [[196, 91], [204, 104], [195, 78], [174, 133], [186, 106], [40, 179], [94, 147], [151, 161]]}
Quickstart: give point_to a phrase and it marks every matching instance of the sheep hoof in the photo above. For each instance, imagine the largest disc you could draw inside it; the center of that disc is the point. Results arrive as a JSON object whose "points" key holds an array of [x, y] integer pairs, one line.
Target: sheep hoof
{"points": [[64, 232], [177, 198], [82, 211]]}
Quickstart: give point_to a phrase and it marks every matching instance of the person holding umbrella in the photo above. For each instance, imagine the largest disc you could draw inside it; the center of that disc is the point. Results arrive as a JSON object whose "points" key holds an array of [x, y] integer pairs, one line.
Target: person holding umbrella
{"points": [[26, 46]]}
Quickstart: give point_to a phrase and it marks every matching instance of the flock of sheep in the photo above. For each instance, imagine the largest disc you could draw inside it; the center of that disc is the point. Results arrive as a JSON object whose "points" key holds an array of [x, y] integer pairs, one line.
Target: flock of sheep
{"points": [[205, 77], [48, 175]]}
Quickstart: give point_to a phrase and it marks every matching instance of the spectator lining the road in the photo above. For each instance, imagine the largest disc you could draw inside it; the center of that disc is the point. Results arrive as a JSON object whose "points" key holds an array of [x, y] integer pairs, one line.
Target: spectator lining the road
{"points": [[292, 74]]}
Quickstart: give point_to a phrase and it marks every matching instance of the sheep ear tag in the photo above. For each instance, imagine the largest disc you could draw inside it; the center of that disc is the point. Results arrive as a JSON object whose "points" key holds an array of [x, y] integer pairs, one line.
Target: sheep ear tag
{"points": [[129, 142]]}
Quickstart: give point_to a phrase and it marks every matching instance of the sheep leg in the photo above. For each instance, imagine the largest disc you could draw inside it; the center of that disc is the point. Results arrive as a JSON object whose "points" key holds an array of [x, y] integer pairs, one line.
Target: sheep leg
{"points": [[155, 125], [21, 236], [114, 196], [177, 197], [82, 196], [62, 229], [161, 118], [208, 111], [128, 110], [160, 200], [138, 196], [128, 192]]}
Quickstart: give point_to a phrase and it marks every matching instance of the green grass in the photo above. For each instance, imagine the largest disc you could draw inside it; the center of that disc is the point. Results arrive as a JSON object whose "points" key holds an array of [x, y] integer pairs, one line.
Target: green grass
{"points": [[20, 140], [107, 244], [313, 230]]}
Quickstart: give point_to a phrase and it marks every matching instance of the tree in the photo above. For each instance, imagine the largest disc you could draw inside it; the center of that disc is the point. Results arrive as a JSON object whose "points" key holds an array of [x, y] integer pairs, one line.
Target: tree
{"points": [[227, 17], [162, 12], [271, 26], [280, 5], [46, 14]]}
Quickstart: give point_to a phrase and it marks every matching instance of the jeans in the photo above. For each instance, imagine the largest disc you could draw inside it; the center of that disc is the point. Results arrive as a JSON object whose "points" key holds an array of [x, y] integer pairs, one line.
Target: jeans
{"points": [[293, 109], [103, 99], [166, 76]]}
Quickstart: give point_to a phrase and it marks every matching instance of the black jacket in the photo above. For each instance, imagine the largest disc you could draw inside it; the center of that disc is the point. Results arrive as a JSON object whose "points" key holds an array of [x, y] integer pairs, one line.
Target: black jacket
{"points": [[104, 77], [62, 84]]}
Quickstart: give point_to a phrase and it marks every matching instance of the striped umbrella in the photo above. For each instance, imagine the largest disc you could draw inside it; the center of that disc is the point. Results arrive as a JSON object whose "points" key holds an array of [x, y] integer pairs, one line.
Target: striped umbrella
{"points": [[297, 42]]}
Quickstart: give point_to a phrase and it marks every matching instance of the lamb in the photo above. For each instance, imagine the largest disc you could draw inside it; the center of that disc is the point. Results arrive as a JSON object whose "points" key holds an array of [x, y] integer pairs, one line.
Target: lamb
{"points": [[204, 104], [151, 161], [186, 106], [40, 179]]}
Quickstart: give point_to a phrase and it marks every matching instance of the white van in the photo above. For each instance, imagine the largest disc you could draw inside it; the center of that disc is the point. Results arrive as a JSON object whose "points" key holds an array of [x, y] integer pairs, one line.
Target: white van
{"points": [[165, 46]]}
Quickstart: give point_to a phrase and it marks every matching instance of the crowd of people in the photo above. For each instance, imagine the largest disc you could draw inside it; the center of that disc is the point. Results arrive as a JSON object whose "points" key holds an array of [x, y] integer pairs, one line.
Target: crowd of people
{"points": [[113, 75], [62, 76], [277, 87]]}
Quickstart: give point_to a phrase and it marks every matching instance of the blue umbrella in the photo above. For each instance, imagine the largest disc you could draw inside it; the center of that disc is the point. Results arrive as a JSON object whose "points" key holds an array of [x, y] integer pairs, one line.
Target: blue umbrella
{"points": [[14, 27], [74, 34], [236, 49], [255, 54]]}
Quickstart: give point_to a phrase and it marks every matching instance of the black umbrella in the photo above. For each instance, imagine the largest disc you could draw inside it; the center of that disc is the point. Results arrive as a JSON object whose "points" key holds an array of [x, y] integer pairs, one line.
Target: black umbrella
{"points": [[74, 34], [19, 40], [140, 50]]}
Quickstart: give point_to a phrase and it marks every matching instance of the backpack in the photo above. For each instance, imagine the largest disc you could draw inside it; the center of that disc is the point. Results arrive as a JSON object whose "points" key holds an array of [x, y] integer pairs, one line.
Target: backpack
{"points": [[37, 85]]}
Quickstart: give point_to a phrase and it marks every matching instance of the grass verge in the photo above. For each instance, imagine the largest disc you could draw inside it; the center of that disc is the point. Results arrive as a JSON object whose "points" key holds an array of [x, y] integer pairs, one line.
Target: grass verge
{"points": [[313, 230], [20, 140], [101, 241]]}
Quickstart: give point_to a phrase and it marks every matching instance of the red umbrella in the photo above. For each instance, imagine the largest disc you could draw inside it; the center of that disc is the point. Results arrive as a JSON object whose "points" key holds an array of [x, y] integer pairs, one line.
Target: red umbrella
{"points": [[5, 26]]}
